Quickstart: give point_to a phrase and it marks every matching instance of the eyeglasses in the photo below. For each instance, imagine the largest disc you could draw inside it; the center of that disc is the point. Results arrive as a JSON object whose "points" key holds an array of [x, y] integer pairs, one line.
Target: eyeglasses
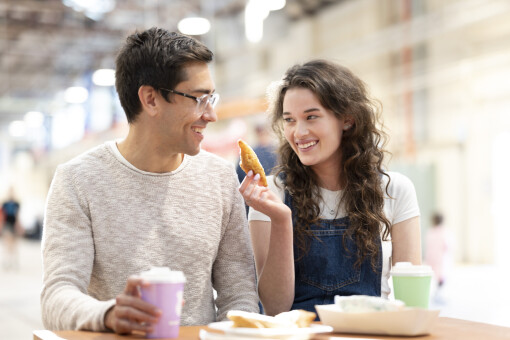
{"points": [[202, 101]]}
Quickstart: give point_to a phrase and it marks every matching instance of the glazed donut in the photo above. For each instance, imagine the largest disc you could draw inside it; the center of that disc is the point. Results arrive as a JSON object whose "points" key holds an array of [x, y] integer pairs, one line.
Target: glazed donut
{"points": [[250, 161]]}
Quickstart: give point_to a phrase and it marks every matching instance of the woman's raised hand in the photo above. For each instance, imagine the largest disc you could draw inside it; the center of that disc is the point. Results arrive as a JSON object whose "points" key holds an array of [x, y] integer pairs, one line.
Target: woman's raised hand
{"points": [[261, 198]]}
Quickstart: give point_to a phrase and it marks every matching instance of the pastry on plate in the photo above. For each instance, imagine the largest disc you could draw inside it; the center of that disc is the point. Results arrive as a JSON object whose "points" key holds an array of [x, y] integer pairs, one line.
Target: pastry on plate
{"points": [[293, 319]]}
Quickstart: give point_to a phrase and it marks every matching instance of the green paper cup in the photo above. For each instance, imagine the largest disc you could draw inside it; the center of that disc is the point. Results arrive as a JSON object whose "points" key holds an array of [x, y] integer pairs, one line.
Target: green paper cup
{"points": [[411, 284]]}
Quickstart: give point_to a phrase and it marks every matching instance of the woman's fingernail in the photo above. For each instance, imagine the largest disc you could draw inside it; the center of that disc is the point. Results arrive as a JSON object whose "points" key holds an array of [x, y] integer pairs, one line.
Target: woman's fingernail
{"points": [[257, 177], [250, 173]]}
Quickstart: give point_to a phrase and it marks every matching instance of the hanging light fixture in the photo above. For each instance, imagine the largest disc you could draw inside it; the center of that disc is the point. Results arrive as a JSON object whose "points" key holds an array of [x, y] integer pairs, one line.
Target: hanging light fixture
{"points": [[194, 26], [255, 13], [76, 95], [104, 77], [93, 9]]}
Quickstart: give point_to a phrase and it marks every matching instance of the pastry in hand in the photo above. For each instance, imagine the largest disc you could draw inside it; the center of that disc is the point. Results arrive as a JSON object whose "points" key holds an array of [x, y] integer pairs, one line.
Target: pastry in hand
{"points": [[250, 161]]}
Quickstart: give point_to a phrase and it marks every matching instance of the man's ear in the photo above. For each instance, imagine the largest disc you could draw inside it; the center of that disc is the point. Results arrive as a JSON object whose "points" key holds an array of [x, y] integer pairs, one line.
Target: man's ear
{"points": [[147, 96]]}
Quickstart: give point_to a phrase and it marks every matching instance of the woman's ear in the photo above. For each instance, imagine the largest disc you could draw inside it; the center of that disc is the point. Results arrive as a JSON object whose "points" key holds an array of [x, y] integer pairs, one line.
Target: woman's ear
{"points": [[147, 96], [348, 123]]}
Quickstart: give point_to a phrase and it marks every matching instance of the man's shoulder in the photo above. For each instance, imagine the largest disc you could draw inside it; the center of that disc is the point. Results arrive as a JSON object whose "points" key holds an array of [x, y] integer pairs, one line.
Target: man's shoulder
{"points": [[212, 160], [88, 159], [213, 169]]}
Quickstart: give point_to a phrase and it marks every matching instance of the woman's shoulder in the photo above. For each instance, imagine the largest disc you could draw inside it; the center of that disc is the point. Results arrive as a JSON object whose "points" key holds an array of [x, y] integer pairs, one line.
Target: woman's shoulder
{"points": [[398, 182], [396, 178]]}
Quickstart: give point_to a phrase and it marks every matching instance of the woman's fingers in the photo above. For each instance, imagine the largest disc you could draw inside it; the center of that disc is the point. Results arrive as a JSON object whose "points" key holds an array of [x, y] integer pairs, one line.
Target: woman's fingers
{"points": [[246, 181]]}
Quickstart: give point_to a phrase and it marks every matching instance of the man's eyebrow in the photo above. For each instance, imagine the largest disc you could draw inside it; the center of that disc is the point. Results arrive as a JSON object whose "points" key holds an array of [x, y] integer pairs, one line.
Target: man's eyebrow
{"points": [[205, 91]]}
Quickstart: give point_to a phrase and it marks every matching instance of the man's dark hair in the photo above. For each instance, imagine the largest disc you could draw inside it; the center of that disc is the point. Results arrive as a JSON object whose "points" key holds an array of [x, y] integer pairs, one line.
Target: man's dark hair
{"points": [[156, 58]]}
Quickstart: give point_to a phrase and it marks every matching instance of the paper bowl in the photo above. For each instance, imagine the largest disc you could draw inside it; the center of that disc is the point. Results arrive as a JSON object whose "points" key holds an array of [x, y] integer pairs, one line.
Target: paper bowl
{"points": [[405, 322]]}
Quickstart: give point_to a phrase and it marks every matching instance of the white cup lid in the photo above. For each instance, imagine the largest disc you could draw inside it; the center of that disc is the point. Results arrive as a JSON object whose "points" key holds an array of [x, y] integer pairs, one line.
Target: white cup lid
{"points": [[163, 275], [409, 269]]}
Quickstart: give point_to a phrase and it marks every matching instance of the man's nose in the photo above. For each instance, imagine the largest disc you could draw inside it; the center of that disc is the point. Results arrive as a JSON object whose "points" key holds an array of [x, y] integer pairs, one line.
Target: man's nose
{"points": [[209, 114]]}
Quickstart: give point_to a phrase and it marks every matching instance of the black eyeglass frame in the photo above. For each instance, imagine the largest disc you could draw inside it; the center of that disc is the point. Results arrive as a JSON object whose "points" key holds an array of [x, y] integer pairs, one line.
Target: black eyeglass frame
{"points": [[181, 94], [198, 99]]}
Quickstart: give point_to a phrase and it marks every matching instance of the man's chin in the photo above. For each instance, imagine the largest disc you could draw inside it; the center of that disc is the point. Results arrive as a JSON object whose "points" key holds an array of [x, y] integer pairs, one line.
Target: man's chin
{"points": [[194, 152]]}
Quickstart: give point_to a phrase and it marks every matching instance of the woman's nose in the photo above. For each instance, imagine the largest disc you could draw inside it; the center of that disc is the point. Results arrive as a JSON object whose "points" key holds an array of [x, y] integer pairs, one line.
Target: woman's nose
{"points": [[301, 129]]}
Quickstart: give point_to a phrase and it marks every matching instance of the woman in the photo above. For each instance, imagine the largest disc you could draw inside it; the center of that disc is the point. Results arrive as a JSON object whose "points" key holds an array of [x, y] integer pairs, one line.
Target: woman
{"points": [[331, 219]]}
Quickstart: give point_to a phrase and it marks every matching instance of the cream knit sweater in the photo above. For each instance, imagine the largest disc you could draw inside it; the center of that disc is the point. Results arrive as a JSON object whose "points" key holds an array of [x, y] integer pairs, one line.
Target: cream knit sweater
{"points": [[106, 220]]}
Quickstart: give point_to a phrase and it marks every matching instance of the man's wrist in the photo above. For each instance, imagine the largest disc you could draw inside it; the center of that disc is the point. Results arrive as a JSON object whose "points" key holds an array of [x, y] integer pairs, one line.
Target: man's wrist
{"points": [[107, 319]]}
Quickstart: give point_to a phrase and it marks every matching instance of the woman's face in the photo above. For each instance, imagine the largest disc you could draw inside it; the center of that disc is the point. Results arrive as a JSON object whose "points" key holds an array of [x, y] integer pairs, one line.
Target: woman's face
{"points": [[314, 133]]}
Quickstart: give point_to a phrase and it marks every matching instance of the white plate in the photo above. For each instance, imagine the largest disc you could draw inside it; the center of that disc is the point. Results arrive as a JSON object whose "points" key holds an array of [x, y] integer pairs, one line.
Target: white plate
{"points": [[275, 333], [407, 322]]}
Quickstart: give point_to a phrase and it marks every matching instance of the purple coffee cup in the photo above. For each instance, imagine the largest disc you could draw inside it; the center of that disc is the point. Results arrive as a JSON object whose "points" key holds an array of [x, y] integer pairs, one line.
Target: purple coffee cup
{"points": [[165, 291]]}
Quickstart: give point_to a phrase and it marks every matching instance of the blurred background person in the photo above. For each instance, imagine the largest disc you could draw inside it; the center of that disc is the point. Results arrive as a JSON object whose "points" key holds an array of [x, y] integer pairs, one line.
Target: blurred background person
{"points": [[11, 229], [439, 249]]}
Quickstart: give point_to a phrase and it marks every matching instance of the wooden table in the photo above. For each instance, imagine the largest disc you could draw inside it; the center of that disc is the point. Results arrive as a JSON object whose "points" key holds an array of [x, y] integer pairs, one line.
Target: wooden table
{"points": [[446, 328]]}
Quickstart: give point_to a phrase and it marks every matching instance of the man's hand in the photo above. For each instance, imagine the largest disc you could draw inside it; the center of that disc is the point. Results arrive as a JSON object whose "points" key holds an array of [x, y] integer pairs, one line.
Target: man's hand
{"points": [[130, 312]]}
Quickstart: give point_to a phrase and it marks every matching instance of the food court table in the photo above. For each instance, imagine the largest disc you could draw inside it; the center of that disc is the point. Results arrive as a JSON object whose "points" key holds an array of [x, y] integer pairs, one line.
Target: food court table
{"points": [[445, 328]]}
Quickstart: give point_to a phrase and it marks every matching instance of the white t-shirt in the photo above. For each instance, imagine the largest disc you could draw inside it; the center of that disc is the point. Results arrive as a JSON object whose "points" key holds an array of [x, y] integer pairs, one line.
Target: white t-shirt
{"points": [[402, 206]]}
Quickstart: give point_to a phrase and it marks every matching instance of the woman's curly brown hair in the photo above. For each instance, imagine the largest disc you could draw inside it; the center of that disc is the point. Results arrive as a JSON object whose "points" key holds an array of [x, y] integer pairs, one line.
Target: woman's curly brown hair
{"points": [[341, 92]]}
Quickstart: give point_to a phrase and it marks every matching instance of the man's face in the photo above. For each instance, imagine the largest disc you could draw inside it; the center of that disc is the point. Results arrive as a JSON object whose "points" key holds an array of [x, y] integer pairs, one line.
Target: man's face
{"points": [[181, 124]]}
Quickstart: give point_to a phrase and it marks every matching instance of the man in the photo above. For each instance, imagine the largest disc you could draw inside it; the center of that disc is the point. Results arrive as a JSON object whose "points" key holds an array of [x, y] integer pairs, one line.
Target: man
{"points": [[152, 199]]}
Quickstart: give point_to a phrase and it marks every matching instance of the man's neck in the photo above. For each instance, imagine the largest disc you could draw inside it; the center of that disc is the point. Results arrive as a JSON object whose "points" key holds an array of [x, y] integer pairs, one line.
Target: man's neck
{"points": [[147, 154]]}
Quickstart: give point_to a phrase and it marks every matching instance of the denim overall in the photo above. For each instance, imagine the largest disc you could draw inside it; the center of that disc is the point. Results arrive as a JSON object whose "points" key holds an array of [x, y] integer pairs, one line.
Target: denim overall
{"points": [[327, 269]]}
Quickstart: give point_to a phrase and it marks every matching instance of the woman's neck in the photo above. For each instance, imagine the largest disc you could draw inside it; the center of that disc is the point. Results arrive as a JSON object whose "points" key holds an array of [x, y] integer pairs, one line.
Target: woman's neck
{"points": [[329, 178]]}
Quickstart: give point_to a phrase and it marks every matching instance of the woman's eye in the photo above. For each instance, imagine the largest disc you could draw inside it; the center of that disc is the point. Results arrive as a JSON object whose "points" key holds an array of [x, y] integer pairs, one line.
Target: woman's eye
{"points": [[287, 120], [311, 117]]}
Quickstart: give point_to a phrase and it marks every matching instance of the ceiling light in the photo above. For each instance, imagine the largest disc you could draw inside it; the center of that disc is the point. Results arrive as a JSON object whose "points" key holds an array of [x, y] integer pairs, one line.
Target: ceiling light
{"points": [[94, 9], [256, 9], [194, 26], [17, 128], [275, 5], [255, 12], [254, 15], [76, 95], [34, 119], [104, 77]]}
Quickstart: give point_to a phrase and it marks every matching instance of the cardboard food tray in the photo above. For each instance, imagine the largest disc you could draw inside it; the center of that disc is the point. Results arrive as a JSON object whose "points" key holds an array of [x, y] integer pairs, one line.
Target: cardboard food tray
{"points": [[405, 322]]}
